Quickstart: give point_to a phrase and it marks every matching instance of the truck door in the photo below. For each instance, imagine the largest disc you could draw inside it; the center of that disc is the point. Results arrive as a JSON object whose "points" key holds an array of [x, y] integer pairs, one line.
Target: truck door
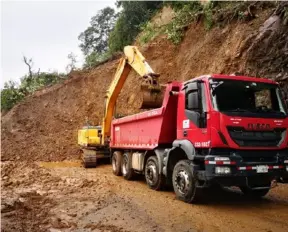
{"points": [[194, 122]]}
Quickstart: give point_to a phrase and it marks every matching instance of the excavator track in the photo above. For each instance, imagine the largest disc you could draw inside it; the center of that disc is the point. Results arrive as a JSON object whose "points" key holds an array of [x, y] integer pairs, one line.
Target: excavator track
{"points": [[89, 158]]}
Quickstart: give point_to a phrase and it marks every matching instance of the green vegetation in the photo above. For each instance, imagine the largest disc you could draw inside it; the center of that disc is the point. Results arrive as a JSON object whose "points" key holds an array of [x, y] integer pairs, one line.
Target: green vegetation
{"points": [[94, 59], [95, 37], [109, 31], [149, 32], [187, 12], [133, 16], [12, 93]]}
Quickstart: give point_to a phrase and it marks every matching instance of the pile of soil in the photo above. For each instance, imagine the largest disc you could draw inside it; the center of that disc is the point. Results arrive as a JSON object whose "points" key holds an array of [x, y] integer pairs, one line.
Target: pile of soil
{"points": [[44, 126]]}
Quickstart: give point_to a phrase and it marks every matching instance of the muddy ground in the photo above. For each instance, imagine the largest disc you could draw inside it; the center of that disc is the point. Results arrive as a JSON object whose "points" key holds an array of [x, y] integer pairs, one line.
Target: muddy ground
{"points": [[63, 196]]}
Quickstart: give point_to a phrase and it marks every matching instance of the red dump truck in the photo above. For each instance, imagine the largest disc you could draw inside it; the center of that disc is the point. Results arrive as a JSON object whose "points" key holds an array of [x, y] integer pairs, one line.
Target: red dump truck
{"points": [[212, 130]]}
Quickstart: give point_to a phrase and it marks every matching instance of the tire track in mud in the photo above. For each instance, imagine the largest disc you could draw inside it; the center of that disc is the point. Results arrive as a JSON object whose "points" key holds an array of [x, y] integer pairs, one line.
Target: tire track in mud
{"points": [[222, 211]]}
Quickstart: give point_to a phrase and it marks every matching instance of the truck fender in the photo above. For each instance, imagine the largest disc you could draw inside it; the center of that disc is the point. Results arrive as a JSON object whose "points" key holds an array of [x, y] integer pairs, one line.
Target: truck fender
{"points": [[186, 146], [159, 153]]}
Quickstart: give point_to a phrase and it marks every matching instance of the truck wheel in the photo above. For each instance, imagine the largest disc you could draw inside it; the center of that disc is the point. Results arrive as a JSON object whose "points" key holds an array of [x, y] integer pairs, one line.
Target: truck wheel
{"points": [[127, 170], [116, 163], [184, 182], [154, 179], [257, 193]]}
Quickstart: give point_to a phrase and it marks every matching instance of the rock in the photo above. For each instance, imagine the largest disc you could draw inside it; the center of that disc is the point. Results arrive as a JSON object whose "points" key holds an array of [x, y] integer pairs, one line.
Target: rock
{"points": [[6, 184], [41, 193], [54, 230], [58, 223], [21, 199], [72, 214]]}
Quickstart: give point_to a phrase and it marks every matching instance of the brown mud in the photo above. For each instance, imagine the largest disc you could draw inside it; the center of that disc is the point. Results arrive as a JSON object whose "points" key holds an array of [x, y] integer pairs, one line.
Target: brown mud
{"points": [[63, 196]]}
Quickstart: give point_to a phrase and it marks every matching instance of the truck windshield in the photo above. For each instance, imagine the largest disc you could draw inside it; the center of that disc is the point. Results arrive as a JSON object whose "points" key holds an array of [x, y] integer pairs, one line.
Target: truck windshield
{"points": [[247, 98]]}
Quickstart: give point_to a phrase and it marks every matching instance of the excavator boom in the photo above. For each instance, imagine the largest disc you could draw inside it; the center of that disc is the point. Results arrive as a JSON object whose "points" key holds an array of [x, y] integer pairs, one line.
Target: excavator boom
{"points": [[150, 88]]}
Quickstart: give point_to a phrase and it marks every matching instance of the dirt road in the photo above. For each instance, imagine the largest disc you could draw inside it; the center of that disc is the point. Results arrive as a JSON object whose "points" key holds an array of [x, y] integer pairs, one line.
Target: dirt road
{"points": [[65, 197]]}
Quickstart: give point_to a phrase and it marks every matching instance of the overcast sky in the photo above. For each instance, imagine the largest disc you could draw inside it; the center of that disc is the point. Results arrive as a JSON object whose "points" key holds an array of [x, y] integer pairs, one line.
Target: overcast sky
{"points": [[46, 31]]}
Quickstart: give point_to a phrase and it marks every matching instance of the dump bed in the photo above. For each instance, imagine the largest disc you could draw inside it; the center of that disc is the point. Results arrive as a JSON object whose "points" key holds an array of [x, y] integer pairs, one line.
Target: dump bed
{"points": [[148, 129]]}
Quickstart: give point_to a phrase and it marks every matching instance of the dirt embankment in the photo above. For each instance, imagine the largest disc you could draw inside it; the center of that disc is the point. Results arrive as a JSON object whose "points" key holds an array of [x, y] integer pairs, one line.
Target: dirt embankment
{"points": [[44, 126]]}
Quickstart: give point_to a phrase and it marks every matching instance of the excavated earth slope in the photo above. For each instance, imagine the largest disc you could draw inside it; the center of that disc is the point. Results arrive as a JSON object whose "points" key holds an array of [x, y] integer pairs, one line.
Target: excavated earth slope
{"points": [[44, 126]]}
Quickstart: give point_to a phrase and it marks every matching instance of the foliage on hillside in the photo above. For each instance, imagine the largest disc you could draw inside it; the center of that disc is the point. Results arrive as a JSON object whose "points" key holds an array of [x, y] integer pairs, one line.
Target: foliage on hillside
{"points": [[12, 92], [132, 17], [110, 31], [212, 13]]}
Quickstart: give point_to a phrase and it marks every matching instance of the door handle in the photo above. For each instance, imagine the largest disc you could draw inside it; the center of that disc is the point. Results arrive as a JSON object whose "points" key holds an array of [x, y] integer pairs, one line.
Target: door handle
{"points": [[185, 133]]}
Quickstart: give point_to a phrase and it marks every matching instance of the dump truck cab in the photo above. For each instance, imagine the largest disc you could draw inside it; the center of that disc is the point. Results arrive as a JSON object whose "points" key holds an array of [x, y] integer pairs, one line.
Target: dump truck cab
{"points": [[237, 125]]}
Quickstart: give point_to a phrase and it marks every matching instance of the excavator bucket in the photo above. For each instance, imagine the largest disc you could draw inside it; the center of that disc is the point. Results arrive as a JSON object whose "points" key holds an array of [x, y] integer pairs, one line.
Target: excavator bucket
{"points": [[151, 97]]}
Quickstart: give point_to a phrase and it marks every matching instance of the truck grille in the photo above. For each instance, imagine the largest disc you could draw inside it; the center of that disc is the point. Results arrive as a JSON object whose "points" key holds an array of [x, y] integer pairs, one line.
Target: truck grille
{"points": [[244, 138]]}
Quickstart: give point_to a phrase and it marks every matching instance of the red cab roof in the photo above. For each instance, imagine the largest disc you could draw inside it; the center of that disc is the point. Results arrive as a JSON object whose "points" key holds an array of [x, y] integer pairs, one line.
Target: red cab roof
{"points": [[243, 78]]}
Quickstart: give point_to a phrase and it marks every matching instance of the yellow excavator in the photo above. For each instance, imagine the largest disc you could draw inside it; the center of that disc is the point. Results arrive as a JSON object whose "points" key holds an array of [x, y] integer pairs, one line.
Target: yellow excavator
{"points": [[94, 140]]}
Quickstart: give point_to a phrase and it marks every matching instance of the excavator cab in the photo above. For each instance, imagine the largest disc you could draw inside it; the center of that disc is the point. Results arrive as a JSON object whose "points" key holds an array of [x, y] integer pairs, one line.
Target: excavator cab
{"points": [[89, 136]]}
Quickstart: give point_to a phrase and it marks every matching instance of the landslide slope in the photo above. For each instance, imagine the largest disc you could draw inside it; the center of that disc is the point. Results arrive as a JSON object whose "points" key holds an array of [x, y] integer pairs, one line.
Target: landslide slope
{"points": [[44, 126]]}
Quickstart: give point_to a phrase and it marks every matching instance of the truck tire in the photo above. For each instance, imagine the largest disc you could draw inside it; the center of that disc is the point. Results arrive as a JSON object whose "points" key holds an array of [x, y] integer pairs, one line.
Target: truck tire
{"points": [[185, 183], [257, 193], [116, 163], [154, 179], [127, 170]]}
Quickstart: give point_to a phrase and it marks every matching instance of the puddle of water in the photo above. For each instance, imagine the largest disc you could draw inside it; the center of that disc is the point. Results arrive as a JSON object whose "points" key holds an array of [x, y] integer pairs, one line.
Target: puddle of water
{"points": [[63, 164]]}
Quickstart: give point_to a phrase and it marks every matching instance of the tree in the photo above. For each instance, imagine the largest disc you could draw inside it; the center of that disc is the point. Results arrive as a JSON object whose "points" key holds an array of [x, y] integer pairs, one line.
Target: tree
{"points": [[29, 63], [72, 62], [95, 37], [10, 95], [133, 15]]}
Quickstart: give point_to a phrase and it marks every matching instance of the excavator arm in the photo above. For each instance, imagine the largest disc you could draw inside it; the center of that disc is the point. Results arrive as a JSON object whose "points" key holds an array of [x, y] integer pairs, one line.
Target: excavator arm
{"points": [[150, 87]]}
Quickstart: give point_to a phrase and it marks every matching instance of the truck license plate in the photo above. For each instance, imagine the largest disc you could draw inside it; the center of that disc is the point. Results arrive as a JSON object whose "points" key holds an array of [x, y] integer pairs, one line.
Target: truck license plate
{"points": [[262, 169]]}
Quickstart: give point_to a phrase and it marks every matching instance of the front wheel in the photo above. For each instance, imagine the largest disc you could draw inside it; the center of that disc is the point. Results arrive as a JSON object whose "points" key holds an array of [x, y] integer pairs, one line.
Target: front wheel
{"points": [[256, 193], [154, 179], [185, 183]]}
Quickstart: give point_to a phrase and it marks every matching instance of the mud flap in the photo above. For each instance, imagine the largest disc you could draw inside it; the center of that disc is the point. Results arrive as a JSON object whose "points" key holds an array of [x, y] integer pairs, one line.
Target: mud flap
{"points": [[283, 179]]}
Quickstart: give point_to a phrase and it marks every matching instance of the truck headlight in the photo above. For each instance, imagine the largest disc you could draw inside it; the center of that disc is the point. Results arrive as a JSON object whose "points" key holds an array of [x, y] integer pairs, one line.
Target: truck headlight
{"points": [[222, 170], [286, 168]]}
